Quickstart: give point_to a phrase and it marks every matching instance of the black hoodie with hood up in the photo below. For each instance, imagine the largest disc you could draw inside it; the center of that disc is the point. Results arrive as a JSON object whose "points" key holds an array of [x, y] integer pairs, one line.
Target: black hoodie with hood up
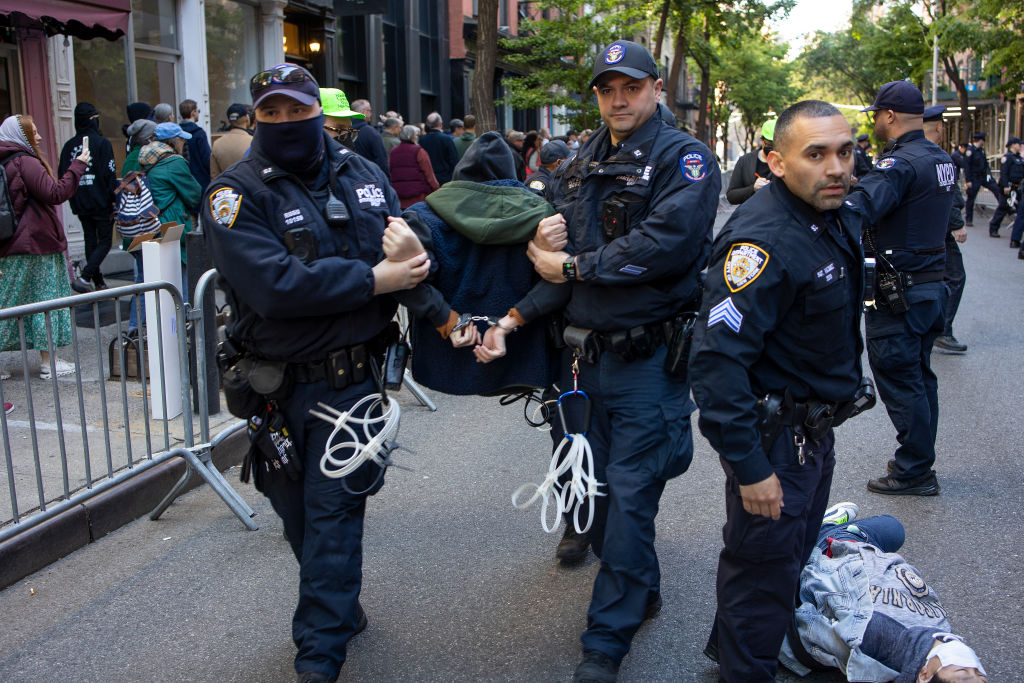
{"points": [[95, 194]]}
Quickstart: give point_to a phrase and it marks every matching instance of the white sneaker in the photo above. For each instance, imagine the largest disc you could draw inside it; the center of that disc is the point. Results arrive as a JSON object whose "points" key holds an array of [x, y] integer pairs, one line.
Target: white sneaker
{"points": [[841, 513], [64, 368], [5, 375]]}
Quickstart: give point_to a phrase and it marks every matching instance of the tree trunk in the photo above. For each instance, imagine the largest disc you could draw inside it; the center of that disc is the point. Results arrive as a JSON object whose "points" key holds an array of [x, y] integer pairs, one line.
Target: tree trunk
{"points": [[678, 55], [482, 88], [966, 119], [661, 29], [705, 88]]}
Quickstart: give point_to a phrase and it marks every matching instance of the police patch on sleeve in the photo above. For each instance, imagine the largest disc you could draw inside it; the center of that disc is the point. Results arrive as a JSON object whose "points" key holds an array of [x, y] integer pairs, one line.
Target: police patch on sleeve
{"points": [[224, 206], [744, 264], [886, 163], [537, 185], [726, 312], [694, 166]]}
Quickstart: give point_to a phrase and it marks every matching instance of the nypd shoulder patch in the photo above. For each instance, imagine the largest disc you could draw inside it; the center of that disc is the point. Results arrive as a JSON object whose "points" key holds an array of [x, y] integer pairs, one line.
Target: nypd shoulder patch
{"points": [[694, 166], [726, 312], [538, 185], [224, 206], [886, 163], [744, 264]]}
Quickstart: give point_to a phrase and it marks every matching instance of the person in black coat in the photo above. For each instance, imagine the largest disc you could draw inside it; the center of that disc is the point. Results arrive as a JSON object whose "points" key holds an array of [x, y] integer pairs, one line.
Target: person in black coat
{"points": [[751, 171], [93, 202], [440, 147], [369, 143]]}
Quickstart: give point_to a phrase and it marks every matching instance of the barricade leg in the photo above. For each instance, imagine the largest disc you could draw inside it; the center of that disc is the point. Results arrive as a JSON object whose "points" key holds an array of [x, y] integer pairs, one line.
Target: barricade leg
{"points": [[204, 467], [417, 391]]}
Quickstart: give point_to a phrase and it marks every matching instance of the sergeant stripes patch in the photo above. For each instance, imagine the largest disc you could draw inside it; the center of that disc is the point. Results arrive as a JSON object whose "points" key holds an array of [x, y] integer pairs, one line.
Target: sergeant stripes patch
{"points": [[726, 312]]}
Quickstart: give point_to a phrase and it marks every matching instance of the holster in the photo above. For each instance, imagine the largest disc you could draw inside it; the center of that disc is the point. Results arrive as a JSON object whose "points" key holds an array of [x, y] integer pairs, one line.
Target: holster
{"points": [[583, 342]]}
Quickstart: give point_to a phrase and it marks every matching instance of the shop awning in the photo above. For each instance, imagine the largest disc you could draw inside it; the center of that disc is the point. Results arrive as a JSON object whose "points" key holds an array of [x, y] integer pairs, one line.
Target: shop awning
{"points": [[93, 19]]}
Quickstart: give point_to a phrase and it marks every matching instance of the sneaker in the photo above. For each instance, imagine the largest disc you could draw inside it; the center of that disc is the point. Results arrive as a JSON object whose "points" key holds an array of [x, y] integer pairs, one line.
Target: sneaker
{"points": [[993, 234], [841, 513], [1020, 254], [99, 282], [8, 408], [573, 547], [81, 286], [948, 342], [596, 667], [5, 375], [926, 485], [64, 368], [1014, 244]]}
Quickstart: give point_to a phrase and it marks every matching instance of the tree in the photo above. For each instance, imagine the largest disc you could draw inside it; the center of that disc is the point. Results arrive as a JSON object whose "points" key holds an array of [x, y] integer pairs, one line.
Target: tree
{"points": [[482, 87], [1004, 42], [557, 56]]}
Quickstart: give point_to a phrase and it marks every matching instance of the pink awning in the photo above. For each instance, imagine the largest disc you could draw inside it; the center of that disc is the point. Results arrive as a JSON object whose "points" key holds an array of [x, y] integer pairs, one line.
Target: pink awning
{"points": [[93, 19]]}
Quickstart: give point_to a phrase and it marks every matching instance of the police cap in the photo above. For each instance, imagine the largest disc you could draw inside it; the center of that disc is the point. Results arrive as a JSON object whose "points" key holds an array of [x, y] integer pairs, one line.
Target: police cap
{"points": [[553, 151], [1013, 141], [625, 57], [934, 113], [980, 135], [899, 96], [863, 137]]}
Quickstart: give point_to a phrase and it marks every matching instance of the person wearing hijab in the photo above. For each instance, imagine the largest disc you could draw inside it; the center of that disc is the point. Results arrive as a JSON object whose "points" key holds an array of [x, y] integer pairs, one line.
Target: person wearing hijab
{"points": [[33, 260]]}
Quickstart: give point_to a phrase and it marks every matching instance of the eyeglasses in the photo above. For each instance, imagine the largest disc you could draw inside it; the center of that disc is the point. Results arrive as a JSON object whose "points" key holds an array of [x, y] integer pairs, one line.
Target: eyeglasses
{"points": [[277, 76], [339, 131]]}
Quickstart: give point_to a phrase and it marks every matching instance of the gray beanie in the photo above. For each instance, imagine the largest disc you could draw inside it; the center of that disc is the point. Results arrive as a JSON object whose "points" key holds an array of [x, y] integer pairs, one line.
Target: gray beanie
{"points": [[141, 132]]}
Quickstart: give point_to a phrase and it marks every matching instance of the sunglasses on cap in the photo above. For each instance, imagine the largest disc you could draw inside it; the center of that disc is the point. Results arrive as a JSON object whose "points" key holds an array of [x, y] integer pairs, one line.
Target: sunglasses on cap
{"points": [[279, 75]]}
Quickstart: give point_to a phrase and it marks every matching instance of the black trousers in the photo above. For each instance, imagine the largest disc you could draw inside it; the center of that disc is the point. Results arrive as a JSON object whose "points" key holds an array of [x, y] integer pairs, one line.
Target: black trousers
{"points": [[972, 194], [759, 567], [97, 230]]}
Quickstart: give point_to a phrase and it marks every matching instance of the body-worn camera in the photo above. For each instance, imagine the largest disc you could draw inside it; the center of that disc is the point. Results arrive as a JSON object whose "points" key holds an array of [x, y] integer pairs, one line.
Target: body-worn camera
{"points": [[869, 281], [614, 219], [892, 291], [395, 360], [302, 244]]}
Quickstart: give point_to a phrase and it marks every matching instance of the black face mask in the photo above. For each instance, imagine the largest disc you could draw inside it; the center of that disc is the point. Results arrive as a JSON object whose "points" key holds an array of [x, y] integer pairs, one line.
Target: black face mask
{"points": [[347, 137], [295, 146]]}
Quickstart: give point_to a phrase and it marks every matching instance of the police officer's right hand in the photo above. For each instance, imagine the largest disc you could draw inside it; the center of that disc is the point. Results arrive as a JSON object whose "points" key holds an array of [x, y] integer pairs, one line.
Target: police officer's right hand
{"points": [[763, 498], [399, 241], [394, 276], [552, 234]]}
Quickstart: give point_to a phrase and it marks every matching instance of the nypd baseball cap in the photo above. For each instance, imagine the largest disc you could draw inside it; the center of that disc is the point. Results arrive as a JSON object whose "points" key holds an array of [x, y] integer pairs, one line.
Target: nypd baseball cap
{"points": [[899, 96], [625, 57], [284, 79], [1013, 141], [553, 151], [934, 112], [237, 111]]}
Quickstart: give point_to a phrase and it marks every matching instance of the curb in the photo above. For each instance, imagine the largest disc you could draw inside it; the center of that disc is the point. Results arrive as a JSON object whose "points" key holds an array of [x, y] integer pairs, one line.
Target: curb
{"points": [[55, 538]]}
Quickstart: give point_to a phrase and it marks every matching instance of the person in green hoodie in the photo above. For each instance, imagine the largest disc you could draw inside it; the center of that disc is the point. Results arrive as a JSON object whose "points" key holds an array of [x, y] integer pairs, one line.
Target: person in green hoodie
{"points": [[477, 226], [174, 189], [466, 134]]}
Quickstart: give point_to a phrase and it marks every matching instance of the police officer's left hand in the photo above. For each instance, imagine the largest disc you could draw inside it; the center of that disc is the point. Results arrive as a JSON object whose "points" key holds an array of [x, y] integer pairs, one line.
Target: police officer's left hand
{"points": [[393, 276], [960, 235], [763, 498], [548, 264], [400, 242]]}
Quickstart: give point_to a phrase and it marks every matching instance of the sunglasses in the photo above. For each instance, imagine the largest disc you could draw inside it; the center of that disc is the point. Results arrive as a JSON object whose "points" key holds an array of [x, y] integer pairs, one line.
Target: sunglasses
{"points": [[277, 76]]}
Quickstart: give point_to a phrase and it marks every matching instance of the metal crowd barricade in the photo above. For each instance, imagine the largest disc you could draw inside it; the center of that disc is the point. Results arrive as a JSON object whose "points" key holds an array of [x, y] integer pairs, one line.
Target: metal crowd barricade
{"points": [[46, 479]]}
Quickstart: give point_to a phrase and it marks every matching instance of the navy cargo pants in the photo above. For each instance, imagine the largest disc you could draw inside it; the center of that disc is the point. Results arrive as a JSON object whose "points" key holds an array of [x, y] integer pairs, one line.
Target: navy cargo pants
{"points": [[324, 524], [640, 435], [899, 349], [759, 567]]}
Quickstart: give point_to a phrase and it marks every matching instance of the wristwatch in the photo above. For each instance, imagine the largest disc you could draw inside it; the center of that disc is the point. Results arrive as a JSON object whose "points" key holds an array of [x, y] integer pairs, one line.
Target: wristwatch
{"points": [[569, 269]]}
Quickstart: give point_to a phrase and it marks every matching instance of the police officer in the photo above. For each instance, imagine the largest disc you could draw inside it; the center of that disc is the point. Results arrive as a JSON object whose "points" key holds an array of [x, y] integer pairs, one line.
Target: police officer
{"points": [[978, 176], [623, 256], [906, 199], [296, 230], [862, 159], [551, 156], [955, 276], [1011, 174], [775, 365]]}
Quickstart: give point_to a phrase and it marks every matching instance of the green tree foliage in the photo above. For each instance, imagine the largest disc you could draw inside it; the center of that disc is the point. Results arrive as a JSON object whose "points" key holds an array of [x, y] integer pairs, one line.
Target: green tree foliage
{"points": [[753, 79], [853, 63], [1003, 41], [557, 55]]}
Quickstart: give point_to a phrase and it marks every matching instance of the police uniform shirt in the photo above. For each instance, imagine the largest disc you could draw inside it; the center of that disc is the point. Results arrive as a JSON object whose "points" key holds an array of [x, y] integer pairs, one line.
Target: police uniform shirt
{"points": [[300, 302], [1011, 172], [669, 184], [781, 311], [907, 197], [539, 181], [975, 164]]}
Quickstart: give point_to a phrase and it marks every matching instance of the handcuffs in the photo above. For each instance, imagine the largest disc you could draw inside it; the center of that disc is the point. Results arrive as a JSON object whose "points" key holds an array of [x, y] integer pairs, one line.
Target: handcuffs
{"points": [[465, 319]]}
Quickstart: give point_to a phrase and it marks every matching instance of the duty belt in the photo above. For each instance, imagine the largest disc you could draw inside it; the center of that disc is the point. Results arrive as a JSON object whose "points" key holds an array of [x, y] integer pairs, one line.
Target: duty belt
{"points": [[812, 418], [637, 342], [912, 279]]}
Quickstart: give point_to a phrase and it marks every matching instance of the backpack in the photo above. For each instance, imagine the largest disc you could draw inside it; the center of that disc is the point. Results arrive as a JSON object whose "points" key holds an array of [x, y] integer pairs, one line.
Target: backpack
{"points": [[137, 213], [8, 221]]}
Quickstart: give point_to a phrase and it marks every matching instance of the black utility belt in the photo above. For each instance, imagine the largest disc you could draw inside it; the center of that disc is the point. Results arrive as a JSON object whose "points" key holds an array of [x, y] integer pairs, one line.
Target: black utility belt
{"points": [[348, 365], [813, 418], [637, 342], [913, 279]]}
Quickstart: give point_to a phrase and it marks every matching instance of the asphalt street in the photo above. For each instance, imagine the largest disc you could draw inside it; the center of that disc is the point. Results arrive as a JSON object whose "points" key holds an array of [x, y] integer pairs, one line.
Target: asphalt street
{"points": [[460, 586]]}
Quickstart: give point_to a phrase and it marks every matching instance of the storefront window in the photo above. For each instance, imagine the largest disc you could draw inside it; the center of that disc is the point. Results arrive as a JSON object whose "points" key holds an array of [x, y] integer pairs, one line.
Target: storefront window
{"points": [[155, 23], [231, 55], [100, 79], [154, 77]]}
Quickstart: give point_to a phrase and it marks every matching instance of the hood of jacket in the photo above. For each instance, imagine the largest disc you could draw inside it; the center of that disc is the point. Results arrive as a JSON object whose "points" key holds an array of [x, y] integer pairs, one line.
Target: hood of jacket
{"points": [[85, 116], [488, 158], [498, 212]]}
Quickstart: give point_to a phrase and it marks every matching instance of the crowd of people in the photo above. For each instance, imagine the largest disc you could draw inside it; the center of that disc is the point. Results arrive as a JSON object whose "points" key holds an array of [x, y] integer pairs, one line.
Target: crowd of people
{"points": [[619, 299]]}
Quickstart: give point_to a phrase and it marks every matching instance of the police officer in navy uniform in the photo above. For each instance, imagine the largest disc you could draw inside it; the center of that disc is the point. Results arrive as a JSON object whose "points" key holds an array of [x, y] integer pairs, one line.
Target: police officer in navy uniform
{"points": [[775, 365], [297, 232], [862, 160], [1011, 175], [955, 276], [978, 175], [551, 155], [623, 258], [906, 199]]}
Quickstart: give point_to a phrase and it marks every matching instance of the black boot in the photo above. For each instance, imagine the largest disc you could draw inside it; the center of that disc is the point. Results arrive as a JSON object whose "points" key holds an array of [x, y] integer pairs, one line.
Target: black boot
{"points": [[572, 549]]}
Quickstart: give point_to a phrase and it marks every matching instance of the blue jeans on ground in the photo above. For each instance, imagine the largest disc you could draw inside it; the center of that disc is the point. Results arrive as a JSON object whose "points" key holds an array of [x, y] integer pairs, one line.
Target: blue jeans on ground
{"points": [[885, 532]]}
